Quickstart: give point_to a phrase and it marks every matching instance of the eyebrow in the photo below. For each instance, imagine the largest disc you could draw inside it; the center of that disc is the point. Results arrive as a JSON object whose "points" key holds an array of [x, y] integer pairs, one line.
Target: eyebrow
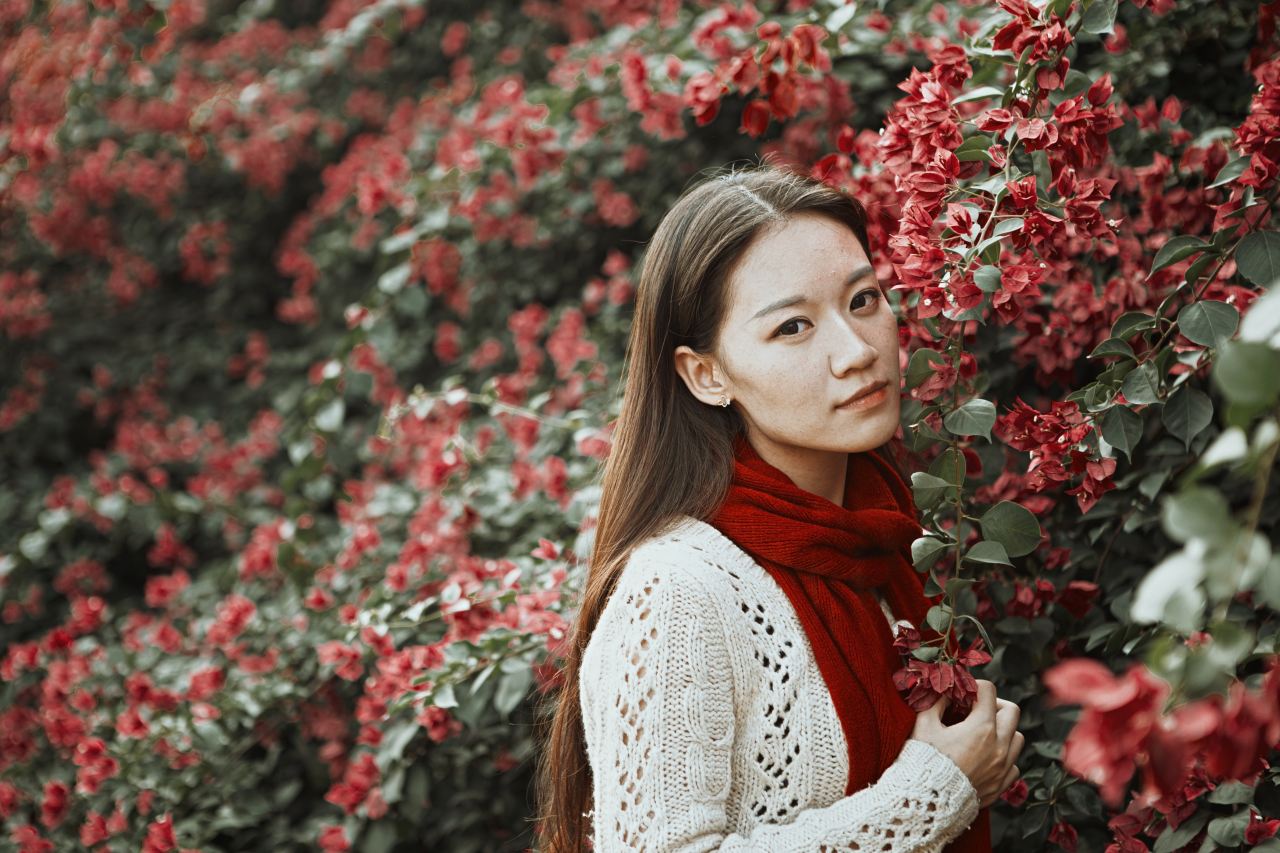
{"points": [[787, 301]]}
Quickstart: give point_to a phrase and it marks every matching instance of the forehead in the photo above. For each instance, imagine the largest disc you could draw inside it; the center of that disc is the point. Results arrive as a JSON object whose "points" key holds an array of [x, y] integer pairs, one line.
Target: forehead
{"points": [[807, 254]]}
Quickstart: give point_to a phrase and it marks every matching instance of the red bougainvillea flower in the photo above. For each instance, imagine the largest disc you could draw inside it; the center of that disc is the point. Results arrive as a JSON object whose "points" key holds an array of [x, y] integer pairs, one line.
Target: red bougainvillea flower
{"points": [[1078, 597], [1114, 730], [333, 839], [925, 681], [1064, 835], [1259, 829], [755, 117], [1016, 794], [160, 836], [1122, 727], [1259, 135]]}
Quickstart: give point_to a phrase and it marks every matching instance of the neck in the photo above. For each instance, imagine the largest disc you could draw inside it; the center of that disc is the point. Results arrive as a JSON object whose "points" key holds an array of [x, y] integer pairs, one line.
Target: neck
{"points": [[820, 472]]}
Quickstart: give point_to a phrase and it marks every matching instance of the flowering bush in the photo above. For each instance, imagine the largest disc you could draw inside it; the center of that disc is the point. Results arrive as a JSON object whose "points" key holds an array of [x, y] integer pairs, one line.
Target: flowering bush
{"points": [[313, 320]]}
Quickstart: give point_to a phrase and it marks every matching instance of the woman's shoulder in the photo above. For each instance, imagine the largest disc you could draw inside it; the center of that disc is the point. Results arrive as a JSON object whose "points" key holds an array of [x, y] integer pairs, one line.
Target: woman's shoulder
{"points": [[695, 560], [687, 567], [699, 552]]}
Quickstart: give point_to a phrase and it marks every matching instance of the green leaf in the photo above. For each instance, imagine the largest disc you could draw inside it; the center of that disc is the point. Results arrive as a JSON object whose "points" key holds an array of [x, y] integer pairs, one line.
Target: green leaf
{"points": [[1258, 257], [512, 687], [1176, 249], [1172, 839], [1269, 584], [393, 280], [1077, 83], [1122, 428], [1230, 445], [1231, 793], [987, 279], [1197, 511], [841, 17], [394, 741], [974, 148], [923, 364], [1113, 347], [1002, 228], [996, 184], [950, 466], [926, 548], [1232, 170], [975, 417], [1007, 226], [1100, 17], [926, 653], [1142, 384], [1186, 413], [1229, 831], [1208, 323], [379, 838], [1132, 321], [329, 418], [33, 545], [988, 552], [938, 617], [1247, 373], [1013, 526], [981, 92], [444, 697], [1262, 323], [928, 490], [1170, 593]]}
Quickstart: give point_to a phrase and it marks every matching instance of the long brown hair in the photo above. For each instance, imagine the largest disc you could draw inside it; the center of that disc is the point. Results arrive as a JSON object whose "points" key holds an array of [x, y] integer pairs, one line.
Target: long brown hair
{"points": [[671, 453]]}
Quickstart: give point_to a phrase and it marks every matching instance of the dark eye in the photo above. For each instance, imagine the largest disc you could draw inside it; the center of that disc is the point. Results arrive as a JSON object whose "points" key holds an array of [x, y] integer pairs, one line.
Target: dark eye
{"points": [[872, 292]]}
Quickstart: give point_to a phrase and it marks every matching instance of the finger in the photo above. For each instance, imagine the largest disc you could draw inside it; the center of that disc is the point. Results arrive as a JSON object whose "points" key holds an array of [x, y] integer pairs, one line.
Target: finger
{"points": [[1010, 777], [984, 707], [933, 714], [1007, 716]]}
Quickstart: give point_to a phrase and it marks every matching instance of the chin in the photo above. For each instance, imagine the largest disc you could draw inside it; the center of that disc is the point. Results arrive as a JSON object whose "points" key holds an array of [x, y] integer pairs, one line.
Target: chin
{"points": [[879, 430]]}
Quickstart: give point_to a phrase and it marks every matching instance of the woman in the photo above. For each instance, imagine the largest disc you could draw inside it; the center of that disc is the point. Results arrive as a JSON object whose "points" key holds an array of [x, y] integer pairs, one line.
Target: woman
{"points": [[729, 682]]}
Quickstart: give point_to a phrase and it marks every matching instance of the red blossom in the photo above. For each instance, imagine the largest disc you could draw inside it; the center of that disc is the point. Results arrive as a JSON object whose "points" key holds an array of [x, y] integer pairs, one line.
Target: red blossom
{"points": [[1259, 829], [1064, 835], [1016, 794], [333, 839]]}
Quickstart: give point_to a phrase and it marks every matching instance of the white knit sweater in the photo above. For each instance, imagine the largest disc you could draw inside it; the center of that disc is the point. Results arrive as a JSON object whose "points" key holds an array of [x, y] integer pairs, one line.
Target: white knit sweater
{"points": [[709, 725]]}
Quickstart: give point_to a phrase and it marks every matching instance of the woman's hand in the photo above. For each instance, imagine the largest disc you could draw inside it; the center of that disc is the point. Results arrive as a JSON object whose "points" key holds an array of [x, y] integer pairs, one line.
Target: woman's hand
{"points": [[984, 744]]}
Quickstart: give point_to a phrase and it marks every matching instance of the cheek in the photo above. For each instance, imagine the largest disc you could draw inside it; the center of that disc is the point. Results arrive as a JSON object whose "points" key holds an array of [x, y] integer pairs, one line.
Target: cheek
{"points": [[890, 338]]}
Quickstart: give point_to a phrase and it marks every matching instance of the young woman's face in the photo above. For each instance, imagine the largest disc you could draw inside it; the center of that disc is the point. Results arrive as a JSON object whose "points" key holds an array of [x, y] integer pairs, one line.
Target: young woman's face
{"points": [[788, 365]]}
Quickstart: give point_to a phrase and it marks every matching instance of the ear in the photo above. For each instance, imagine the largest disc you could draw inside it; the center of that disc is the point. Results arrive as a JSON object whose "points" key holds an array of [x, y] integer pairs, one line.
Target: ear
{"points": [[699, 374]]}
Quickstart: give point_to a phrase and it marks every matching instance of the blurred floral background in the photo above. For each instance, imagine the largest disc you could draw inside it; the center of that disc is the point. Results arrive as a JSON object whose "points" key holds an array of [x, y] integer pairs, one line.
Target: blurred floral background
{"points": [[312, 319]]}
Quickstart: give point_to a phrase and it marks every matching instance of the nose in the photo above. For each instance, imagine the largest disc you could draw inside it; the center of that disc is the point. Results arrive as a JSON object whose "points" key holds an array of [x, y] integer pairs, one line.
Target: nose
{"points": [[850, 350]]}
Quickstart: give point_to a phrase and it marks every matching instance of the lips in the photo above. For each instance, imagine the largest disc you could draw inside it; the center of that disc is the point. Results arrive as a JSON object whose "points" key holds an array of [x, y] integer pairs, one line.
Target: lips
{"points": [[870, 389]]}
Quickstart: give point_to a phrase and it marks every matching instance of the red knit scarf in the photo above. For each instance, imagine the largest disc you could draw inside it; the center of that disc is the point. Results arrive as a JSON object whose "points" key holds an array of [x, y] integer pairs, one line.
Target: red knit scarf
{"points": [[829, 559]]}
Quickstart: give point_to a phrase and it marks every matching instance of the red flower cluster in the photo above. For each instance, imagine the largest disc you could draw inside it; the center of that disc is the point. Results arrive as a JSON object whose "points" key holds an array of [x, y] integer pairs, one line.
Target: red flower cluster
{"points": [[1123, 727], [926, 681], [1047, 436], [1035, 42], [741, 71], [1259, 135]]}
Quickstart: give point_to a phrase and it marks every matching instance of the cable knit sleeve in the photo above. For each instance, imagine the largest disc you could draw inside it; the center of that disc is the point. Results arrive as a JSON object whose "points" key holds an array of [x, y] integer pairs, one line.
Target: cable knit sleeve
{"points": [[657, 694]]}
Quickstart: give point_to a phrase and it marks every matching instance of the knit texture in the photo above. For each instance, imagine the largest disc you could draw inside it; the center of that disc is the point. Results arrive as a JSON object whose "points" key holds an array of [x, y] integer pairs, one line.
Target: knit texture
{"points": [[709, 725]]}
